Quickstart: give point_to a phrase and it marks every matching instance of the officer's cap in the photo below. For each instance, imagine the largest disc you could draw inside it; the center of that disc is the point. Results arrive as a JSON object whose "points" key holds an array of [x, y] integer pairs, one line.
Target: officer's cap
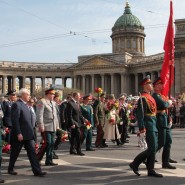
{"points": [[12, 92]]}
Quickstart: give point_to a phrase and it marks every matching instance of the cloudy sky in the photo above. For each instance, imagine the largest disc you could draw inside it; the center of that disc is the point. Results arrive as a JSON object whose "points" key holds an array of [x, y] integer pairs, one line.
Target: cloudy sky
{"points": [[61, 30]]}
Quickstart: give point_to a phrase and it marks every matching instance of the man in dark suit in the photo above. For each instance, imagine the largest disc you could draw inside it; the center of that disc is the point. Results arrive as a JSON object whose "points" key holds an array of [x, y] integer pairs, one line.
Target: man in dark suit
{"points": [[6, 106], [23, 134], [75, 121]]}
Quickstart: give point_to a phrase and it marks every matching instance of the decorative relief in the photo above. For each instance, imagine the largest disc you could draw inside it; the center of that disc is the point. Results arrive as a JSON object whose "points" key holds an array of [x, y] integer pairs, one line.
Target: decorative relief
{"points": [[96, 62], [181, 28]]}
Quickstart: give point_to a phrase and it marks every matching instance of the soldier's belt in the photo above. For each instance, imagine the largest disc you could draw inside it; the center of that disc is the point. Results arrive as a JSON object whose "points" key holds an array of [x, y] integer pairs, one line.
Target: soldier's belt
{"points": [[150, 114], [161, 111]]}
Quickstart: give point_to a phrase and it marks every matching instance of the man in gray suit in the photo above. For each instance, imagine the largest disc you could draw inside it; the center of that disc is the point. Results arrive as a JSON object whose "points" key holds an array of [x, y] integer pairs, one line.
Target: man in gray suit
{"points": [[48, 123], [23, 134]]}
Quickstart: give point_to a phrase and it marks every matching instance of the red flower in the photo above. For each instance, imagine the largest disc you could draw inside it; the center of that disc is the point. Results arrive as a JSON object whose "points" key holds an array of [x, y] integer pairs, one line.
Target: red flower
{"points": [[112, 121]]}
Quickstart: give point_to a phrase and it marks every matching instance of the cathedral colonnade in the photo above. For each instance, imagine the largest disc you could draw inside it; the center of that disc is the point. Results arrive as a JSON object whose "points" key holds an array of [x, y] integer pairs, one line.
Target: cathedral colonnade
{"points": [[33, 83], [112, 83]]}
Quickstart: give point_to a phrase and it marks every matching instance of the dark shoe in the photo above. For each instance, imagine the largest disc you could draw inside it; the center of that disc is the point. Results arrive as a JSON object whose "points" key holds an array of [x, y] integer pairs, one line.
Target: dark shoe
{"points": [[154, 174], [168, 166], [104, 145], [51, 164], [2, 181], [172, 161], [55, 156], [41, 174], [72, 152], [134, 169], [80, 153], [11, 172], [90, 149]]}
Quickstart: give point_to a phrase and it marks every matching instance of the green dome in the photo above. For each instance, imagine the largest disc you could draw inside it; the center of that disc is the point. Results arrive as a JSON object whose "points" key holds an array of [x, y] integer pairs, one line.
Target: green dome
{"points": [[127, 19]]}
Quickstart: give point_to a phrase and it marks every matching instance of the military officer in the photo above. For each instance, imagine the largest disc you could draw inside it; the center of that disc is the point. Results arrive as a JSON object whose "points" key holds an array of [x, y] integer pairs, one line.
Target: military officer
{"points": [[87, 113], [146, 117], [48, 123], [164, 123], [6, 106]]}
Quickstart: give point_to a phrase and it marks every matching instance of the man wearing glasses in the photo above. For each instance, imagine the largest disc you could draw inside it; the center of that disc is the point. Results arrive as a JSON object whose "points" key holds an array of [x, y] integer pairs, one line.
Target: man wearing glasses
{"points": [[48, 123]]}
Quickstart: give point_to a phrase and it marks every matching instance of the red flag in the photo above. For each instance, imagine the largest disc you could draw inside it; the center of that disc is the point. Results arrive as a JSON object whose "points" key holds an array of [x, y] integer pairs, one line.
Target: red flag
{"points": [[167, 72]]}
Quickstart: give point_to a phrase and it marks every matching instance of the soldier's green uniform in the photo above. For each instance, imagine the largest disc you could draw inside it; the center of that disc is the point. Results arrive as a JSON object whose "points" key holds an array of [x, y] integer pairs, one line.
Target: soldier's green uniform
{"points": [[146, 117], [87, 113], [163, 124]]}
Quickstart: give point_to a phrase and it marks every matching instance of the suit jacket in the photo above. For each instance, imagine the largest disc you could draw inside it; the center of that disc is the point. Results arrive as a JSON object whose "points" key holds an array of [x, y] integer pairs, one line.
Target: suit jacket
{"points": [[74, 114], [6, 106], [22, 120], [47, 115]]}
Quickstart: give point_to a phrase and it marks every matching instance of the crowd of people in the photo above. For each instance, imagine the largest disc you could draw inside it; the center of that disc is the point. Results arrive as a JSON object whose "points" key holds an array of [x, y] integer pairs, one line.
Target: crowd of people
{"points": [[76, 118]]}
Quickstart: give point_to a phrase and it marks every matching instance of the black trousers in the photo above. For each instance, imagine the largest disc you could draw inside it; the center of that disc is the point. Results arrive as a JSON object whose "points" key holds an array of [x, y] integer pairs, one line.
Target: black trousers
{"points": [[75, 140], [149, 153], [29, 145]]}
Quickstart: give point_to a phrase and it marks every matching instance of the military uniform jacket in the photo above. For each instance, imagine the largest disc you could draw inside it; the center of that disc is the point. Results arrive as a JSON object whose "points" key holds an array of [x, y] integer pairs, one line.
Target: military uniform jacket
{"points": [[99, 113], [87, 113], [146, 113], [46, 115], [162, 105], [6, 106]]}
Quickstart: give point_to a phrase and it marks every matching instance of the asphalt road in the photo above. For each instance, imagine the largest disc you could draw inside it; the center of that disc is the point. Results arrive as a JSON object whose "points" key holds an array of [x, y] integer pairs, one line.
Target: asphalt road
{"points": [[100, 167]]}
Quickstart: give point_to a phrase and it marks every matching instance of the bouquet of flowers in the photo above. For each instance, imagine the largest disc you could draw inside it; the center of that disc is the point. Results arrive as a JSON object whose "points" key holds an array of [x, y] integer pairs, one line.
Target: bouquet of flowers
{"points": [[88, 124], [62, 134], [112, 105], [6, 147], [98, 90], [112, 121]]}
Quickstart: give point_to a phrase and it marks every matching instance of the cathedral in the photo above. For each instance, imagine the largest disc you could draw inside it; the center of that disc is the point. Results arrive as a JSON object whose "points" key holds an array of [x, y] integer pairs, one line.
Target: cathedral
{"points": [[116, 72]]}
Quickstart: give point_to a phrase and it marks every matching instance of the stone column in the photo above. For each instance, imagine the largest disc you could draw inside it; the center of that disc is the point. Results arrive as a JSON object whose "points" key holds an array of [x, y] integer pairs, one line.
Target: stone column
{"points": [[83, 83], [122, 83], [103, 81], [152, 76], [43, 83], [23, 81], [136, 83], [92, 83], [4, 84], [32, 85], [74, 82], [112, 83], [14, 82], [53, 80]]}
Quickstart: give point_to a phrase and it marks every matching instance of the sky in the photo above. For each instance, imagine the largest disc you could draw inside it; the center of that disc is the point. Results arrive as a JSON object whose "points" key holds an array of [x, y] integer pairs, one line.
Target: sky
{"points": [[58, 31]]}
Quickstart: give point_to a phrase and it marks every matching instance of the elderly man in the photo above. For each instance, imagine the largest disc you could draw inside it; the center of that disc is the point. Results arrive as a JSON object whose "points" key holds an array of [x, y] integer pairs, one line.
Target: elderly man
{"points": [[23, 134], [48, 123]]}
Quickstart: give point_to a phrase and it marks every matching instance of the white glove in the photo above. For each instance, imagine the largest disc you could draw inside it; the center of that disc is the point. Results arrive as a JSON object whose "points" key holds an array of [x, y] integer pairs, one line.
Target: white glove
{"points": [[142, 135], [170, 102], [121, 123]]}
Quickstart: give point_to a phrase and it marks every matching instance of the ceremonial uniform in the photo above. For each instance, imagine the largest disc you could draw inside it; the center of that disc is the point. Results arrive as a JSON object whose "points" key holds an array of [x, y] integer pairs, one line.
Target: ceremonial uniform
{"points": [[99, 120], [47, 118], [163, 126], [87, 113], [146, 117]]}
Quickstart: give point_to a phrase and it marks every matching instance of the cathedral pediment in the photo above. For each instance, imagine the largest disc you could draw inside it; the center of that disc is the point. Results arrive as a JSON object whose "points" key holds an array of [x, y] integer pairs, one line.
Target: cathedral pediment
{"points": [[96, 62]]}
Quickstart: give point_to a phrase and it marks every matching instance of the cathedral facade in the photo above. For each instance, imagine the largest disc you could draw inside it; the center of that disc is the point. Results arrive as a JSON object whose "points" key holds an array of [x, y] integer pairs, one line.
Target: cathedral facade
{"points": [[116, 72]]}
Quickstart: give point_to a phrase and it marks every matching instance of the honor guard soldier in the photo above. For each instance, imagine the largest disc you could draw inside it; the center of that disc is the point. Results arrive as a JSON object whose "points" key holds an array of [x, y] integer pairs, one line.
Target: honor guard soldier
{"points": [[146, 117], [164, 123]]}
